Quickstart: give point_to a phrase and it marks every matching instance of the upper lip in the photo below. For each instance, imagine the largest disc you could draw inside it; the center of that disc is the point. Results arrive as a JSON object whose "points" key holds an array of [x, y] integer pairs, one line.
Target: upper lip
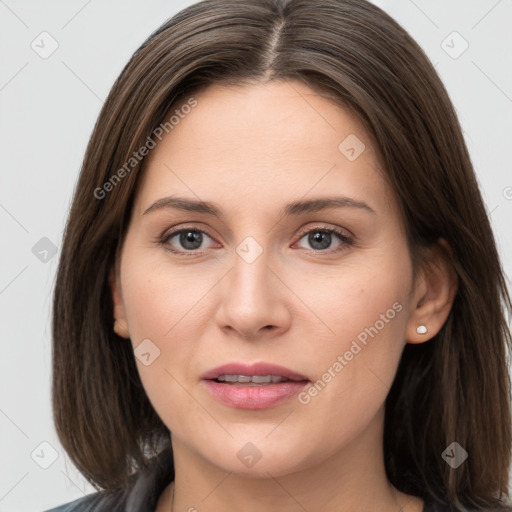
{"points": [[260, 368]]}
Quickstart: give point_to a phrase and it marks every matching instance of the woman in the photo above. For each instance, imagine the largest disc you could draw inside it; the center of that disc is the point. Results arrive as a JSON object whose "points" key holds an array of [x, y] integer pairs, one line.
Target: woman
{"points": [[278, 285]]}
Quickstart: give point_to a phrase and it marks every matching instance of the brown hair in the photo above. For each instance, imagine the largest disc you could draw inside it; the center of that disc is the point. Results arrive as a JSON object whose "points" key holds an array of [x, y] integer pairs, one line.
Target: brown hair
{"points": [[454, 388]]}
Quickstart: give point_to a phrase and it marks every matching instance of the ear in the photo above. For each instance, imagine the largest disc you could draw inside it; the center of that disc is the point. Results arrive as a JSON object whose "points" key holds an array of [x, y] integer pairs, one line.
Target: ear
{"points": [[434, 293], [120, 324]]}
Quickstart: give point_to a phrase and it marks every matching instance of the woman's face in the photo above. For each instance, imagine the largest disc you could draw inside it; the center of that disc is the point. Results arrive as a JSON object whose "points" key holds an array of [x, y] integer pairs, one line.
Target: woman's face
{"points": [[266, 279]]}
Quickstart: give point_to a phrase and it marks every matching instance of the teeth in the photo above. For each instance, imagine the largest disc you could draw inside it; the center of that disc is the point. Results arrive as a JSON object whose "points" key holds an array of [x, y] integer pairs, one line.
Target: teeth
{"points": [[255, 379]]}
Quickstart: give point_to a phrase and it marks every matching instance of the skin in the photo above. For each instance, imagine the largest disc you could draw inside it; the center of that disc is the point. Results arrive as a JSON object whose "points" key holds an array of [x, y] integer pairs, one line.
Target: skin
{"points": [[251, 150]]}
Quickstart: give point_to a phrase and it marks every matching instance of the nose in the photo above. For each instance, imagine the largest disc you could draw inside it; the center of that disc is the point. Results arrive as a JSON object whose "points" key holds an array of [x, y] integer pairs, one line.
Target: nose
{"points": [[254, 302]]}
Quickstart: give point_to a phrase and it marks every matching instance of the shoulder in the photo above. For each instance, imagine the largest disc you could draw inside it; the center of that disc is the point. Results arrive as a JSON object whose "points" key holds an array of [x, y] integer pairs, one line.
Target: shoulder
{"points": [[114, 500], [140, 493], [87, 503], [431, 505]]}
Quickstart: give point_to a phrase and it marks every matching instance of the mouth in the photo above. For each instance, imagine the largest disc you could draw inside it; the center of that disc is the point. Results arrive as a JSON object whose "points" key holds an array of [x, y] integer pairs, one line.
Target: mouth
{"points": [[255, 386], [251, 380], [256, 373]]}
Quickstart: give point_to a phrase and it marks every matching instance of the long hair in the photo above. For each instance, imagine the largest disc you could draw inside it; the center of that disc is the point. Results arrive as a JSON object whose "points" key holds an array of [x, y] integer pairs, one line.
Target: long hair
{"points": [[455, 388]]}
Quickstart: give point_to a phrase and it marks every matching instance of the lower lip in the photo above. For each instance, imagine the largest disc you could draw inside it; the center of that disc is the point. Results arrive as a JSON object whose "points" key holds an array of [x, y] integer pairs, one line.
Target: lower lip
{"points": [[260, 396]]}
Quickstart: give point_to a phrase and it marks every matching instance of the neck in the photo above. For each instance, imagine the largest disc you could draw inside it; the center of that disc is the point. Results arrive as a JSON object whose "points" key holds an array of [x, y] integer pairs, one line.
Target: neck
{"points": [[352, 479]]}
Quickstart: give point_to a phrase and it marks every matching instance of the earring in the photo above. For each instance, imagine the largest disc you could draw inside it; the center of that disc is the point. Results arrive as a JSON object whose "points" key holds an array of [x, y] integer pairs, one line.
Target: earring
{"points": [[421, 329], [120, 330]]}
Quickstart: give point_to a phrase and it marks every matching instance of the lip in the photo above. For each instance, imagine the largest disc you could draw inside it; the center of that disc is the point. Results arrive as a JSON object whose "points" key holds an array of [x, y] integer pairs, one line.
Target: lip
{"points": [[260, 368], [247, 396], [254, 397]]}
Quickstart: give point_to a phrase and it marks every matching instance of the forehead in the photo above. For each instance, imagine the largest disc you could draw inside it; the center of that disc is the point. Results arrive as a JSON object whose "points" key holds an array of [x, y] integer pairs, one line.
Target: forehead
{"points": [[273, 138], [245, 116]]}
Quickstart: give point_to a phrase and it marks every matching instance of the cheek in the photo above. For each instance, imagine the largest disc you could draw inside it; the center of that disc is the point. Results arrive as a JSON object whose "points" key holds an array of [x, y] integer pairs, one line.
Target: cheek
{"points": [[156, 307], [366, 310], [357, 301], [159, 296]]}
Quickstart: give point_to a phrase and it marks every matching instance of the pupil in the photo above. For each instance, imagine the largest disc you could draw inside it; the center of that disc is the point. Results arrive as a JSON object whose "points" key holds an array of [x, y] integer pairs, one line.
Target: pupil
{"points": [[324, 239], [191, 239]]}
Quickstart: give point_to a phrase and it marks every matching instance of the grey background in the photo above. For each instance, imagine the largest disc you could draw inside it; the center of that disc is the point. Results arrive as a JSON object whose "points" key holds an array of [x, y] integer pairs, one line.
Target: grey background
{"points": [[48, 108]]}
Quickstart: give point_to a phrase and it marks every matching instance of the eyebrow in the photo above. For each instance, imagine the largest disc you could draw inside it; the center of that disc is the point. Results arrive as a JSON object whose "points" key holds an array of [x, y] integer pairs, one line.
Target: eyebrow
{"points": [[292, 209]]}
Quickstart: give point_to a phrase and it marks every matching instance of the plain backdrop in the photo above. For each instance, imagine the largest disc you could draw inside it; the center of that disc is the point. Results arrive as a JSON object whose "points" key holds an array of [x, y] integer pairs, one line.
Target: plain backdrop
{"points": [[49, 103]]}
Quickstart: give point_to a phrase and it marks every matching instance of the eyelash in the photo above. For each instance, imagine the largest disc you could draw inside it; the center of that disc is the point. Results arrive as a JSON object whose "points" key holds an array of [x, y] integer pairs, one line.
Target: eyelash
{"points": [[346, 240]]}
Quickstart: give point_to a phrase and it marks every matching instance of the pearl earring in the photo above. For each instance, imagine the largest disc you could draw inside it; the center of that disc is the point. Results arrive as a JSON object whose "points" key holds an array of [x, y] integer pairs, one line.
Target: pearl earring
{"points": [[421, 329]]}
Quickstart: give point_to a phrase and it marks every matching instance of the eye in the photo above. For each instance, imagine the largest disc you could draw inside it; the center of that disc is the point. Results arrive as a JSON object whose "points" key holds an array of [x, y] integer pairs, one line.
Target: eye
{"points": [[191, 241], [321, 238], [186, 239]]}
